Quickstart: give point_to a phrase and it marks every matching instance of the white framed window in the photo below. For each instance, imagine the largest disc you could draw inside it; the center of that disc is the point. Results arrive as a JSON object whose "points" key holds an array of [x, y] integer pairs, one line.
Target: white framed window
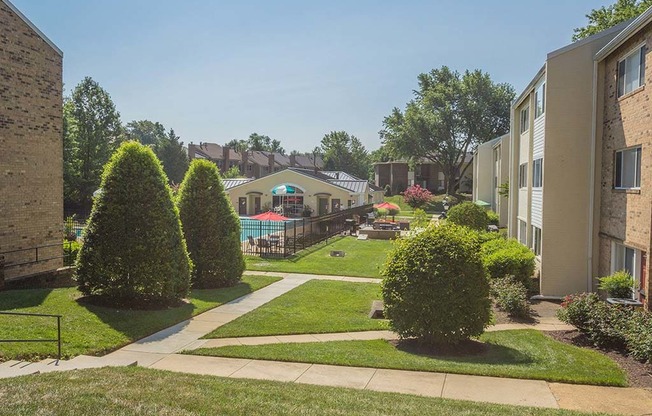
{"points": [[631, 71], [522, 232], [525, 119], [536, 240], [537, 173], [630, 260], [540, 100], [522, 175], [627, 168]]}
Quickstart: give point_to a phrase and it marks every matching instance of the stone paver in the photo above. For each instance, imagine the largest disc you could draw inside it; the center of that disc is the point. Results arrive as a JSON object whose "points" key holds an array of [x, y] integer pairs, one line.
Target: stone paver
{"points": [[498, 390], [628, 401]]}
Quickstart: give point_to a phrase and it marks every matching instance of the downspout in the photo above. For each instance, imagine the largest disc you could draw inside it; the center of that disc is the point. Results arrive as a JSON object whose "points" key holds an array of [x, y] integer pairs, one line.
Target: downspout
{"points": [[512, 194], [594, 120]]}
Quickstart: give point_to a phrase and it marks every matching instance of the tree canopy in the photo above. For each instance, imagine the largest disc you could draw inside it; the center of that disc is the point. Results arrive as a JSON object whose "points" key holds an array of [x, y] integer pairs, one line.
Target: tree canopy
{"points": [[146, 132], [92, 131], [345, 152], [608, 16], [257, 142], [173, 156], [450, 115]]}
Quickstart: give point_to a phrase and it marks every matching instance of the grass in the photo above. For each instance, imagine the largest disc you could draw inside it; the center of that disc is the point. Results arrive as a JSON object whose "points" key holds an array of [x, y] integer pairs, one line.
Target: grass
{"points": [[139, 391], [362, 259], [88, 329], [318, 306], [516, 354]]}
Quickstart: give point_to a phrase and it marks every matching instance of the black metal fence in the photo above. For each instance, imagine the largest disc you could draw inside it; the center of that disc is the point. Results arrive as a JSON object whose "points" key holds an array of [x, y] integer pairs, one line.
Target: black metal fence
{"points": [[284, 238], [40, 315]]}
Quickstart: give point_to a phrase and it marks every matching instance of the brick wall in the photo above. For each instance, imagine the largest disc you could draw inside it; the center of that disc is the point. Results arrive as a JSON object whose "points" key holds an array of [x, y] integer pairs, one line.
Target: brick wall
{"points": [[31, 160], [626, 217]]}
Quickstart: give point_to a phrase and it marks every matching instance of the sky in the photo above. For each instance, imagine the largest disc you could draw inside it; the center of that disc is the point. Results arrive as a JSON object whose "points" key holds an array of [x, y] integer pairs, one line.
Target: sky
{"points": [[293, 70]]}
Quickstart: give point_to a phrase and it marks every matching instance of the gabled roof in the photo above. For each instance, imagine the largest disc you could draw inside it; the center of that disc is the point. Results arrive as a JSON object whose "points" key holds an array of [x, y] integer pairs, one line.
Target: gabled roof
{"points": [[632, 28], [308, 161], [232, 183], [33, 27], [214, 151], [338, 174]]}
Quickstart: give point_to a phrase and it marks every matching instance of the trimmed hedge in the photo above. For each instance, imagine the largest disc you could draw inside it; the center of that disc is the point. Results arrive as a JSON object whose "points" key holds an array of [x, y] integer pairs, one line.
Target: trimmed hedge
{"points": [[493, 218], [507, 257], [618, 285], [134, 252], [510, 296], [469, 215], [612, 326], [211, 227], [434, 286]]}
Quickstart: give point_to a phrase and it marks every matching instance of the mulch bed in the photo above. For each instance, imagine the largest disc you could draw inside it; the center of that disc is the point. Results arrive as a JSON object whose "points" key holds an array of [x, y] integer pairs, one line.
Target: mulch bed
{"points": [[638, 374], [464, 348]]}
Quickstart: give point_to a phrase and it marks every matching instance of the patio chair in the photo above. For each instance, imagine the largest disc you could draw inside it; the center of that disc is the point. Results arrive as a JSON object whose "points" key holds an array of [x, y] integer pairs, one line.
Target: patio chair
{"points": [[252, 242]]}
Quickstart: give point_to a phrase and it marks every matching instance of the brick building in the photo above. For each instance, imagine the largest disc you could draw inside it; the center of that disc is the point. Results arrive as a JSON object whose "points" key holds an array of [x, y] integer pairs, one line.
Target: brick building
{"points": [[31, 148], [623, 200]]}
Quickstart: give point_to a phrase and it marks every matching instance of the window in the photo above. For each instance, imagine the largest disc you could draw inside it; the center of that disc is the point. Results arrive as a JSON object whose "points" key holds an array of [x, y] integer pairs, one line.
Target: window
{"points": [[522, 232], [627, 170], [537, 173], [630, 260], [536, 240], [631, 71], [540, 100], [525, 119], [522, 175]]}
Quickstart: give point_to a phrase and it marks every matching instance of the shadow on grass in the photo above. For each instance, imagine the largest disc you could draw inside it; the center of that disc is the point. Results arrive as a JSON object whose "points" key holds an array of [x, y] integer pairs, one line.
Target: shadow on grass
{"points": [[22, 298], [298, 256], [470, 352]]}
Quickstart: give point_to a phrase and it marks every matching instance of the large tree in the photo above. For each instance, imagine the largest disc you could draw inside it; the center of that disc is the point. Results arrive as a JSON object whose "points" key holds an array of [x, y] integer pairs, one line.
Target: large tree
{"points": [[173, 156], [92, 132], [345, 152], [449, 116], [257, 142], [146, 132], [608, 16]]}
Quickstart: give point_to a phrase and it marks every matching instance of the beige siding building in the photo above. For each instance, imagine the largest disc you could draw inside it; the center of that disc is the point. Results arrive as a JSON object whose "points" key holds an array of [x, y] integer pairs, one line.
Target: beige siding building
{"points": [[31, 147], [550, 169], [623, 157], [490, 170], [293, 191]]}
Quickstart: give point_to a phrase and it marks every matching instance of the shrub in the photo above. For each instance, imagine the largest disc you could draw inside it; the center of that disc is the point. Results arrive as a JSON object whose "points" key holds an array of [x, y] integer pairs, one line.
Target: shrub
{"points": [[211, 227], [421, 219], [618, 285], [493, 218], [638, 336], [510, 295], [576, 309], [416, 196], [70, 252], [503, 257], [133, 250], [434, 286], [388, 190], [469, 215]]}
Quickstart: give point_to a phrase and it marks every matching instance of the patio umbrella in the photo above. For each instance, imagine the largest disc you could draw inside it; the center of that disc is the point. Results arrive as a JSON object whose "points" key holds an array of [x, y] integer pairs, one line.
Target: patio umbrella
{"points": [[269, 216], [386, 205]]}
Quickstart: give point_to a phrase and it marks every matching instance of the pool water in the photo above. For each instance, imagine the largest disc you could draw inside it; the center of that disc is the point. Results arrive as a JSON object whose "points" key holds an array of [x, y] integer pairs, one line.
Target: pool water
{"points": [[256, 229]]}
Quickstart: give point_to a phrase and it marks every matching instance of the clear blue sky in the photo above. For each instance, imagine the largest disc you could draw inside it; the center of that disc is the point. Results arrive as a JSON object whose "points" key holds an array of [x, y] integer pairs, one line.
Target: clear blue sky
{"points": [[293, 70]]}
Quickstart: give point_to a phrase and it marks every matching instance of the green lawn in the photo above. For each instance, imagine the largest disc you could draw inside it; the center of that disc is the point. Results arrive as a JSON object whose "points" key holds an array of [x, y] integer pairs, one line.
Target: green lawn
{"points": [[87, 329], [318, 306], [139, 391], [515, 354], [363, 259]]}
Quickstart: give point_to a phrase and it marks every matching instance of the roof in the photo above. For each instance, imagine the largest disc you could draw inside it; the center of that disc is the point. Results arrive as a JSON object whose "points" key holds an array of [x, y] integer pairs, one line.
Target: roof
{"points": [[33, 27], [232, 183], [357, 187], [214, 151], [338, 174], [630, 30], [308, 161]]}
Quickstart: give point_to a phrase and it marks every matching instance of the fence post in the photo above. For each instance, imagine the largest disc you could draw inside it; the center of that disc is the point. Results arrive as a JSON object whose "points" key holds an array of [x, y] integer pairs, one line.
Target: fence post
{"points": [[58, 338]]}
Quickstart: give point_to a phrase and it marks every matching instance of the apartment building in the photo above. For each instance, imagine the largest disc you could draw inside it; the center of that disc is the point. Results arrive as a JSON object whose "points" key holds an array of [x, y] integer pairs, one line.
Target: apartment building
{"points": [[490, 171], [31, 147], [252, 163], [550, 165], [622, 203]]}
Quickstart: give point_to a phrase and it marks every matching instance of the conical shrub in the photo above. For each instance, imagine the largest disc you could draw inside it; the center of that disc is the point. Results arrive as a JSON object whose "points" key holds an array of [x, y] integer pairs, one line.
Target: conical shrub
{"points": [[133, 251], [211, 227]]}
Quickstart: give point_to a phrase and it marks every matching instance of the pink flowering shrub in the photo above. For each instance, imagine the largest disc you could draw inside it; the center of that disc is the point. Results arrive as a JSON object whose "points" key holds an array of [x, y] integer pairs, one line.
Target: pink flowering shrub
{"points": [[416, 196]]}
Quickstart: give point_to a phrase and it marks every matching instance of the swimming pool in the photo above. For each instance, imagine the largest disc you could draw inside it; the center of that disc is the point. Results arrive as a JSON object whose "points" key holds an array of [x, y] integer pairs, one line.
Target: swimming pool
{"points": [[256, 229]]}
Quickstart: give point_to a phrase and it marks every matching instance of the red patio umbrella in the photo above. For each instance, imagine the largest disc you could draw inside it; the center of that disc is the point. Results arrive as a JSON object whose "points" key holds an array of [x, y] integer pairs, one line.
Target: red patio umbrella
{"points": [[386, 205], [269, 216]]}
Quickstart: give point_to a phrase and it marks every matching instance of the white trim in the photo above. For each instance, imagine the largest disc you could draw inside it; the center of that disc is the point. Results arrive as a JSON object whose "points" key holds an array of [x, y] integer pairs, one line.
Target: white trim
{"points": [[594, 120], [33, 27], [632, 28]]}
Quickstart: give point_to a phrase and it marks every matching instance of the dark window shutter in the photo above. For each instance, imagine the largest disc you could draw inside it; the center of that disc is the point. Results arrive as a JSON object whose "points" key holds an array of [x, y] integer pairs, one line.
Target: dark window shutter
{"points": [[618, 167], [621, 77], [642, 68]]}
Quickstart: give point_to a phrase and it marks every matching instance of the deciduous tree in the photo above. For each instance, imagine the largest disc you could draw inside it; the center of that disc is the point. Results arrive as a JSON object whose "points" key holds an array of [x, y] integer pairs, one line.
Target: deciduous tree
{"points": [[608, 16], [345, 152]]}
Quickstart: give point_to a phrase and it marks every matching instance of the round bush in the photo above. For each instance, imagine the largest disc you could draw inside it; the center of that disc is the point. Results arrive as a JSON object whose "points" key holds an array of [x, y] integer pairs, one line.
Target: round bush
{"points": [[618, 285], [434, 286], [503, 258], [469, 215], [133, 251], [510, 295], [493, 218], [211, 227]]}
